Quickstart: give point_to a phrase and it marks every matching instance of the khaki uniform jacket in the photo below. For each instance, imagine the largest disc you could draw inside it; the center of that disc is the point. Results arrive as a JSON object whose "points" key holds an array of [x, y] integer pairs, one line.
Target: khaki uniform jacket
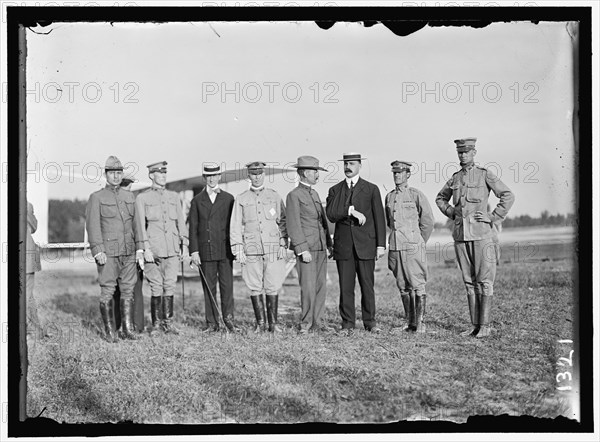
{"points": [[258, 222], [32, 260], [306, 220], [109, 218], [469, 189], [159, 218], [409, 216]]}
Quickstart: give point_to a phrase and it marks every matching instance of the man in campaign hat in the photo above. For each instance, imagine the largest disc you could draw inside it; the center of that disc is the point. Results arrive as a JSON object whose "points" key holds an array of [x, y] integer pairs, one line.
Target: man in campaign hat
{"points": [[164, 235], [474, 230], [210, 248], [308, 231], [113, 236], [259, 242], [354, 205], [410, 220]]}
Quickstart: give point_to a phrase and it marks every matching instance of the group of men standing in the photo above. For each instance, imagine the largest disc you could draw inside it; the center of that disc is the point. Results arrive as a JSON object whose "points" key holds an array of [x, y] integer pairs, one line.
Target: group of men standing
{"points": [[256, 228]]}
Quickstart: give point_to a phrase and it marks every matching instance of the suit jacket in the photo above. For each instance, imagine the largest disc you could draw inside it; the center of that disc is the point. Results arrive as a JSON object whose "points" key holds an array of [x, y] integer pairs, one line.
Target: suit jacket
{"points": [[366, 238], [306, 220], [209, 226]]}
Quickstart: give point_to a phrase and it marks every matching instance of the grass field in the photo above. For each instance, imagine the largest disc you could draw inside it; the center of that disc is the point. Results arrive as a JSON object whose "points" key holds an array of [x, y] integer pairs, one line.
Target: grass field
{"points": [[196, 378]]}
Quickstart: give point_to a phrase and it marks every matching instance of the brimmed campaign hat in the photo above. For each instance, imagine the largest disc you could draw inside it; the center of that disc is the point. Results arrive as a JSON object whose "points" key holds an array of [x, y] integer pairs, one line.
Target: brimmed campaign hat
{"points": [[308, 162], [128, 179], [256, 167], [160, 166], [113, 163], [465, 144], [399, 166], [211, 169], [352, 156]]}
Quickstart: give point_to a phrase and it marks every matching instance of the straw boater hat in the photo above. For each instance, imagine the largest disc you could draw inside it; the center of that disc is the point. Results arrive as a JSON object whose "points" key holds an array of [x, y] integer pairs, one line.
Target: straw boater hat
{"points": [[211, 169], [352, 156]]}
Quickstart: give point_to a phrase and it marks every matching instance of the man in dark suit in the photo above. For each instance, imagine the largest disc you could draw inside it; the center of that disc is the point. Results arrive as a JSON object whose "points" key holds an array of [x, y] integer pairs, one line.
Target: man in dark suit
{"points": [[210, 248], [356, 208], [309, 235]]}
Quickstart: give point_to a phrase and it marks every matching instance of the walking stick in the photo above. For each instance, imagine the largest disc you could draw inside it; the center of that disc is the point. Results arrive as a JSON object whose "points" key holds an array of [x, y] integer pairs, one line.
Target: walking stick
{"points": [[212, 297], [182, 276]]}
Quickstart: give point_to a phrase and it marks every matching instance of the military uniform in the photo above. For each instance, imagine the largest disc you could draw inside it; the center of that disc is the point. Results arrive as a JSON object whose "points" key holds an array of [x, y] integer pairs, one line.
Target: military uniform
{"points": [[474, 241], [109, 222], [160, 220], [258, 228], [410, 218], [32, 265]]}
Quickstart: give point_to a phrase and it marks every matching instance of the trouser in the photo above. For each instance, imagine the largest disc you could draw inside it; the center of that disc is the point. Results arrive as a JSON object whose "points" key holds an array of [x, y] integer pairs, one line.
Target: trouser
{"points": [[477, 261], [162, 275], [409, 267], [313, 288], [264, 273], [221, 271], [118, 270], [348, 269]]}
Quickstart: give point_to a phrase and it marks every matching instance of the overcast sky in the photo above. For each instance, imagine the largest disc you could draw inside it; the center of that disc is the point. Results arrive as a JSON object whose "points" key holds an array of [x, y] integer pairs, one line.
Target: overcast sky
{"points": [[150, 92]]}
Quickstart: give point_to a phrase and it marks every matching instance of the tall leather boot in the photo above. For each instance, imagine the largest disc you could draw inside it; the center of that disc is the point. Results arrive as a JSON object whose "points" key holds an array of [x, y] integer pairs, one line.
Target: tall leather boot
{"points": [[406, 304], [474, 314], [259, 312], [412, 312], [272, 304], [484, 317], [156, 314], [108, 317], [421, 302], [167, 323], [127, 331]]}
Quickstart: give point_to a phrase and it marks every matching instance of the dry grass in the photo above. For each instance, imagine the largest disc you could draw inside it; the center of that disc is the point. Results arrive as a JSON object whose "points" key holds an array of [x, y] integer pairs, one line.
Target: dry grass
{"points": [[196, 378]]}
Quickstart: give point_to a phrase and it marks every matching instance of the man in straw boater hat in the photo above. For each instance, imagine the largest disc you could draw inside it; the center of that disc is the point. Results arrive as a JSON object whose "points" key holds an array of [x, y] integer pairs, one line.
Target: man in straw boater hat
{"points": [[164, 240], [473, 232], [259, 242], [309, 237], [113, 236], [138, 296], [410, 219], [355, 206], [210, 248]]}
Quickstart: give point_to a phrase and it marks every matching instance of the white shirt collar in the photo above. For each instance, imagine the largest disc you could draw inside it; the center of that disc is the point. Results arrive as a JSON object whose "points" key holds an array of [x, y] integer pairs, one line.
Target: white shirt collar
{"points": [[354, 180], [306, 185]]}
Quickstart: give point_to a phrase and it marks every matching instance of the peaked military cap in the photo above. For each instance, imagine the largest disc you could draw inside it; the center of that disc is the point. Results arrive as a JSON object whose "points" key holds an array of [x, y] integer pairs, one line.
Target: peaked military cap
{"points": [[256, 167], [465, 144], [399, 166], [160, 166], [113, 163], [128, 178]]}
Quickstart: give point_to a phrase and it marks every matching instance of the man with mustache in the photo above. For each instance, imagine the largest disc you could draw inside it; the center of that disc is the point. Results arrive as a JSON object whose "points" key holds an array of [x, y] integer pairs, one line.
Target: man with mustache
{"points": [[355, 206]]}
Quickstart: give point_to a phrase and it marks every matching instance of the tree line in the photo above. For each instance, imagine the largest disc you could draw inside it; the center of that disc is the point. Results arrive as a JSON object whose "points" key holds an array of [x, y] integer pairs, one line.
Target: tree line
{"points": [[66, 220]]}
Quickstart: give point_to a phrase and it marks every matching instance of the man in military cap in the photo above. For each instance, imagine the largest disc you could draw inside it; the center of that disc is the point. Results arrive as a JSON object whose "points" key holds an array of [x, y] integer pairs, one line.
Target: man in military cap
{"points": [[410, 219], [138, 295], [473, 231], [210, 248], [259, 242], [354, 205], [112, 236], [159, 218], [309, 237]]}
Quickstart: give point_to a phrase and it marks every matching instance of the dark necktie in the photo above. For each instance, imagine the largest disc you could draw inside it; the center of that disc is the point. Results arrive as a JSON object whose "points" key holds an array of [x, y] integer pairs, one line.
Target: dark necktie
{"points": [[349, 199]]}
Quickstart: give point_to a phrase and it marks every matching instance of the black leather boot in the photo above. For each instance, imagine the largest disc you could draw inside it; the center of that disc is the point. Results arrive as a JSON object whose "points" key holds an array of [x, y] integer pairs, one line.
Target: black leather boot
{"points": [[108, 317], [127, 331], [421, 302], [272, 304], [156, 314], [484, 317], [231, 327], [259, 312], [167, 323], [412, 312], [473, 301]]}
